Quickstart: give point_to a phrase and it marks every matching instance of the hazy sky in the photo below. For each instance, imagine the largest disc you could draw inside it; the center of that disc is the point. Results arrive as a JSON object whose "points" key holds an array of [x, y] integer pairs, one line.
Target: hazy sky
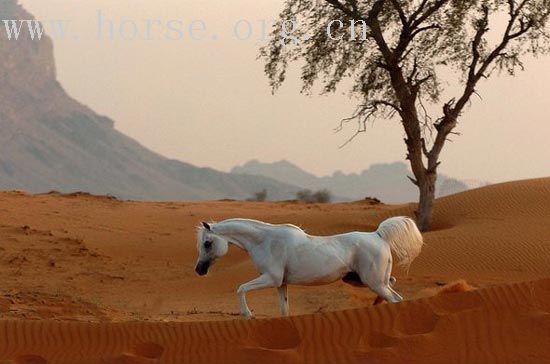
{"points": [[208, 102]]}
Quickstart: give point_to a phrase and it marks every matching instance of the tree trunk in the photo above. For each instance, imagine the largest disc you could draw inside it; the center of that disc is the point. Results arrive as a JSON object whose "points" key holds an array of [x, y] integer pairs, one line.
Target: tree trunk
{"points": [[426, 186], [426, 175]]}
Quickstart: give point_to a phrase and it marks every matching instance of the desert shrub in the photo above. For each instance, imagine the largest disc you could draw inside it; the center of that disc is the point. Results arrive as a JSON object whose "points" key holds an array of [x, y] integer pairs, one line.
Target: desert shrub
{"points": [[259, 196], [372, 200], [321, 196], [304, 195]]}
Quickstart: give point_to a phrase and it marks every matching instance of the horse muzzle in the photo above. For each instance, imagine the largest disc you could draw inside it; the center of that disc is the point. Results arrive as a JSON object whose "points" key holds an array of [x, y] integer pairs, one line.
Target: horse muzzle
{"points": [[202, 268]]}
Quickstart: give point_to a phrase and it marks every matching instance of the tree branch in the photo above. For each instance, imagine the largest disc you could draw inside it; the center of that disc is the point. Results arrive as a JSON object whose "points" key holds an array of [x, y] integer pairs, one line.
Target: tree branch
{"points": [[397, 6], [481, 30], [369, 111], [338, 5], [429, 12], [418, 11], [415, 182], [423, 29], [476, 71]]}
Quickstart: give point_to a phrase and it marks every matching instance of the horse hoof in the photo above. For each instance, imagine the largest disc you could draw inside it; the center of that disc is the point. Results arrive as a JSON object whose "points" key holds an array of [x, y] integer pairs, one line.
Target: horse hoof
{"points": [[247, 315]]}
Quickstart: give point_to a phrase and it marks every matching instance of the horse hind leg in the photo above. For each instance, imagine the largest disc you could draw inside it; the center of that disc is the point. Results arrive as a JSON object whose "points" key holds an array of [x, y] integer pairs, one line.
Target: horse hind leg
{"points": [[381, 284], [283, 300], [353, 279], [378, 300], [395, 294], [378, 278], [386, 293]]}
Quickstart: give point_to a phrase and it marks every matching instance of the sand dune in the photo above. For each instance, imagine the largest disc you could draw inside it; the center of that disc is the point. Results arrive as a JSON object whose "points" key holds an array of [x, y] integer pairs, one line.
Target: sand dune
{"points": [[500, 231], [508, 323], [90, 279]]}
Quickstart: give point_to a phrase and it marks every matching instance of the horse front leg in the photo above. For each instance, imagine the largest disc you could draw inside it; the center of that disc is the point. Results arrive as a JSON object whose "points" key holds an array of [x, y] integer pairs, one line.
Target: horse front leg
{"points": [[283, 299], [263, 281]]}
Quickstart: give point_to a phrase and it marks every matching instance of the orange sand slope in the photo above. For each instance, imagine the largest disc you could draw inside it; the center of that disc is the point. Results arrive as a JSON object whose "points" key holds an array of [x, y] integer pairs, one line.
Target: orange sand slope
{"points": [[509, 323], [89, 265]]}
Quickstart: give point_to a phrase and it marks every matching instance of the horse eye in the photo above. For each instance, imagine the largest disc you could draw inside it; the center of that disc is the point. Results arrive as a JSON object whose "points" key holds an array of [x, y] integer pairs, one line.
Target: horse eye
{"points": [[208, 244]]}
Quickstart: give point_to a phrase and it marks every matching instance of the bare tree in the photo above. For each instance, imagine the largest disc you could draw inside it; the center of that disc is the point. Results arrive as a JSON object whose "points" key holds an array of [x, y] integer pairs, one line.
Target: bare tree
{"points": [[395, 53]]}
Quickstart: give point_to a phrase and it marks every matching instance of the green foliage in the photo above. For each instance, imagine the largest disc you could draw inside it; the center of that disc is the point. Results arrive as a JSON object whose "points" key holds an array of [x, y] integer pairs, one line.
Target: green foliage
{"points": [[424, 36], [396, 67]]}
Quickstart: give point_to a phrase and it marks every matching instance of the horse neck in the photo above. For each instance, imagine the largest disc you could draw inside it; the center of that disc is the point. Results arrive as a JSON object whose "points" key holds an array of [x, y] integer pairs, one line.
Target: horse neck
{"points": [[242, 233]]}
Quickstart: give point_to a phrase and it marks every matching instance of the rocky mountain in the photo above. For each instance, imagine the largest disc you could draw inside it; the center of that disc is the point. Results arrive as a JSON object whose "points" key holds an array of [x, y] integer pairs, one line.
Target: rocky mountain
{"points": [[49, 141], [387, 182]]}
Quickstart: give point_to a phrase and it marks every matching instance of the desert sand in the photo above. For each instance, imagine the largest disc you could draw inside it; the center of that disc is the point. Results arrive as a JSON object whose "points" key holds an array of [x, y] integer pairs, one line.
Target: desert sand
{"points": [[91, 279]]}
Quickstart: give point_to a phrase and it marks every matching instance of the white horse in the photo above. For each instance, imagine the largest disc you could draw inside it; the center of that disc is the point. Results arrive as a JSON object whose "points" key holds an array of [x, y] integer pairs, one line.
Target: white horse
{"points": [[285, 254]]}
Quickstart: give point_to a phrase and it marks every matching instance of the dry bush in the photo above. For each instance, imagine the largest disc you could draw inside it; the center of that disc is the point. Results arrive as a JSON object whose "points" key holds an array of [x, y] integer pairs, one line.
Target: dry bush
{"points": [[320, 196], [259, 196]]}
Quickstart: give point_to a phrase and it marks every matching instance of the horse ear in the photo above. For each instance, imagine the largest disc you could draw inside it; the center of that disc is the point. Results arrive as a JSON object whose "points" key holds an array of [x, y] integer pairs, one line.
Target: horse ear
{"points": [[206, 226]]}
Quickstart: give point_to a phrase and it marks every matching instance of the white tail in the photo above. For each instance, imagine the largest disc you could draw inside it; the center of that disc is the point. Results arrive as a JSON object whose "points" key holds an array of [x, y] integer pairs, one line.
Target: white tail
{"points": [[404, 238]]}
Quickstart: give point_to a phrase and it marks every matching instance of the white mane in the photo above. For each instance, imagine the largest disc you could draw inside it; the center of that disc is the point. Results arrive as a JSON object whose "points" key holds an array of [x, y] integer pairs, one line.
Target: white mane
{"points": [[201, 228]]}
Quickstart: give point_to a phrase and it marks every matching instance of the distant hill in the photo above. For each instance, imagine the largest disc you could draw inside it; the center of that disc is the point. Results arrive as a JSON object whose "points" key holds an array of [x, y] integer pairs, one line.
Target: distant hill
{"points": [[387, 182], [49, 141]]}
